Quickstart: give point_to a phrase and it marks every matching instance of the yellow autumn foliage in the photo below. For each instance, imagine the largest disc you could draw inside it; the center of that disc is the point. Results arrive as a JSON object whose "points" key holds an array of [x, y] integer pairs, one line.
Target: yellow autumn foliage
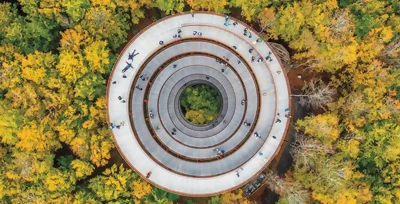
{"points": [[80, 147], [34, 66], [96, 54], [74, 39], [71, 66], [65, 134], [27, 166], [82, 168], [209, 5], [58, 181], [141, 189], [36, 138], [2, 188], [100, 148], [324, 127], [234, 197], [250, 8]]}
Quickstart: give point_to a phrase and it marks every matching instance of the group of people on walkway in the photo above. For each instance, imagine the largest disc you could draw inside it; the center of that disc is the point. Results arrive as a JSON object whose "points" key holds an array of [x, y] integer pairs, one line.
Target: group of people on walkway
{"points": [[246, 32], [130, 59], [120, 98], [112, 126], [173, 132], [226, 23], [178, 34], [138, 87], [197, 33], [260, 58], [237, 171], [248, 124], [219, 151], [151, 114], [225, 64], [144, 77], [287, 115]]}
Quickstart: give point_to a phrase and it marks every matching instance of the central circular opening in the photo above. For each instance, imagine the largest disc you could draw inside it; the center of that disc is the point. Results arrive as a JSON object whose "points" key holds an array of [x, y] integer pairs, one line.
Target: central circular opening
{"points": [[200, 103]]}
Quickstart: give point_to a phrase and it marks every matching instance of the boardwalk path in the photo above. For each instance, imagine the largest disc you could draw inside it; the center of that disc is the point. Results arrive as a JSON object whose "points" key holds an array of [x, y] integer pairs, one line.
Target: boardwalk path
{"points": [[184, 162]]}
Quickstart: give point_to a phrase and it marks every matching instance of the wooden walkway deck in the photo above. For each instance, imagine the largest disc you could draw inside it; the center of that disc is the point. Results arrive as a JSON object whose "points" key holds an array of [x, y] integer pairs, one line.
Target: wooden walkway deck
{"points": [[185, 162]]}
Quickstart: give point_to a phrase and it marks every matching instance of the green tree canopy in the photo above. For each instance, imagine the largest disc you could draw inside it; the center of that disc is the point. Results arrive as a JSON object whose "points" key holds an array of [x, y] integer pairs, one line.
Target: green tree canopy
{"points": [[201, 103]]}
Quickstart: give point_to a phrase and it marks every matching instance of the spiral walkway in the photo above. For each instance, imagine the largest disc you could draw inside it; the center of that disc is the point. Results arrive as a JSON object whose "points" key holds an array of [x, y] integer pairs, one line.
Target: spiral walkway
{"points": [[152, 133]]}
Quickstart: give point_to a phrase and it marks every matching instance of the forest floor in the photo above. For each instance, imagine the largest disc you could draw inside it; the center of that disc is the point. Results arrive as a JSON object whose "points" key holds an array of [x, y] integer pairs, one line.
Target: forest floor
{"points": [[263, 195]]}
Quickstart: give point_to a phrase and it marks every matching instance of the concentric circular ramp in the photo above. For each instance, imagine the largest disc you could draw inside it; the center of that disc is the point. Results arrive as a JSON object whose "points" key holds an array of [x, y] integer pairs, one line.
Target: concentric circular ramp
{"points": [[144, 90]]}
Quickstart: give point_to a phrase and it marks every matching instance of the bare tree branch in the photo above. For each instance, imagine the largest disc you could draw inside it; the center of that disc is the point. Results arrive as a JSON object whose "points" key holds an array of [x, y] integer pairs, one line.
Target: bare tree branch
{"points": [[293, 192], [316, 94], [306, 149]]}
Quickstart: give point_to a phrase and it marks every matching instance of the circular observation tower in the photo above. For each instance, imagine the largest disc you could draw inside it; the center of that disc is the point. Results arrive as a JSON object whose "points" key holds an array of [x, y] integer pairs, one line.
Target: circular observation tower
{"points": [[152, 133]]}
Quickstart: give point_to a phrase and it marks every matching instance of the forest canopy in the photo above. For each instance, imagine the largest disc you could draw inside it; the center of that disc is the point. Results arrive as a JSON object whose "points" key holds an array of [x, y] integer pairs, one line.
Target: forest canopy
{"points": [[56, 56], [200, 103]]}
